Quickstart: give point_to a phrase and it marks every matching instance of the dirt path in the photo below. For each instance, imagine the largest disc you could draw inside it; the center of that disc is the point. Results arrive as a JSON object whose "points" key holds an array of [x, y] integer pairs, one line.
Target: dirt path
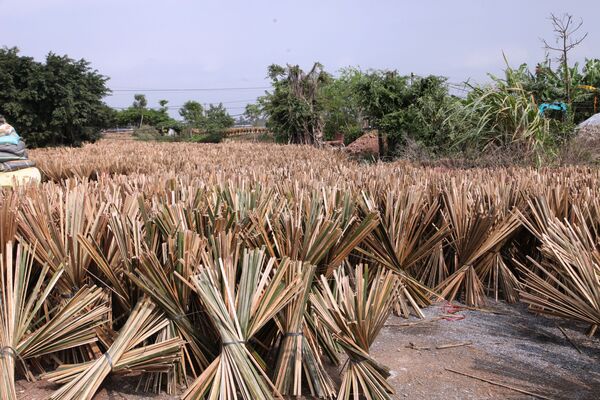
{"points": [[510, 346]]}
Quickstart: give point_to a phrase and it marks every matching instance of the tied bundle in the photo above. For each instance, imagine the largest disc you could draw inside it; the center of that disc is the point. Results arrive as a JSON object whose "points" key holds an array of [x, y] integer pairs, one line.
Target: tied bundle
{"points": [[354, 314], [123, 355], [28, 329], [240, 296], [298, 360]]}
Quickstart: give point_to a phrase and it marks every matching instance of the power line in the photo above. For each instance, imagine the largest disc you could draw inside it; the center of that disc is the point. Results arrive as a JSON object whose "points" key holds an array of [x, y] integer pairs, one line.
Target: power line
{"points": [[218, 89], [236, 101], [174, 108]]}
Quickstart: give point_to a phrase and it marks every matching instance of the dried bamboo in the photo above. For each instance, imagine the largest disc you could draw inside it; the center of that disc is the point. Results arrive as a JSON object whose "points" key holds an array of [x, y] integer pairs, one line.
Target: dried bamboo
{"points": [[145, 320], [355, 314], [239, 308], [22, 335]]}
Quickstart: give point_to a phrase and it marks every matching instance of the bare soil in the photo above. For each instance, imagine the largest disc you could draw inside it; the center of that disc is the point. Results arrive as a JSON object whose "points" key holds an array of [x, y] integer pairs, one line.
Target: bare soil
{"points": [[366, 145], [510, 346]]}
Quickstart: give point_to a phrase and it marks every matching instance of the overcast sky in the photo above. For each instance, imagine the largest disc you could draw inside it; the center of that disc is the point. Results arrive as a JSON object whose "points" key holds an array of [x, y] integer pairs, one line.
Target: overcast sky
{"points": [[189, 44]]}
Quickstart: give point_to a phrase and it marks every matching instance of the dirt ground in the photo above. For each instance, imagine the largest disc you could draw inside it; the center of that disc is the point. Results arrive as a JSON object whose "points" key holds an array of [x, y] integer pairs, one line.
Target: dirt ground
{"points": [[365, 145], [509, 345]]}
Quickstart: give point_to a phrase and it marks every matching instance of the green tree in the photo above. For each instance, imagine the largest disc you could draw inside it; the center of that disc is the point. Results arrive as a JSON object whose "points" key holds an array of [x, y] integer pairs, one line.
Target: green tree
{"points": [[139, 101], [212, 122], [411, 107], [192, 113], [253, 114], [382, 94], [57, 102], [342, 109], [139, 104], [295, 108], [138, 114], [217, 119], [163, 106]]}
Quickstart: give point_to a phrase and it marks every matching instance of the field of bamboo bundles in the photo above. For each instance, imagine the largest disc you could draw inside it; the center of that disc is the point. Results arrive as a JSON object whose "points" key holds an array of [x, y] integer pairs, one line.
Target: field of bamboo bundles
{"points": [[241, 270]]}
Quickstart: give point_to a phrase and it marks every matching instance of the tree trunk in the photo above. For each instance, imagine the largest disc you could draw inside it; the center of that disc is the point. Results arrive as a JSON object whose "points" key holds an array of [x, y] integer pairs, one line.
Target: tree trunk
{"points": [[566, 72]]}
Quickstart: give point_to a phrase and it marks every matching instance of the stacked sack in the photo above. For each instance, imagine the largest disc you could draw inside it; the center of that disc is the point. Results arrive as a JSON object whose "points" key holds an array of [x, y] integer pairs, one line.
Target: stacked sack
{"points": [[13, 154]]}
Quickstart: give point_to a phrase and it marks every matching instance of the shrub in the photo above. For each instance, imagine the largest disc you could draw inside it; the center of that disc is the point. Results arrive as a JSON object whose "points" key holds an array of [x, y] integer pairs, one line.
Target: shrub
{"points": [[215, 137], [147, 132]]}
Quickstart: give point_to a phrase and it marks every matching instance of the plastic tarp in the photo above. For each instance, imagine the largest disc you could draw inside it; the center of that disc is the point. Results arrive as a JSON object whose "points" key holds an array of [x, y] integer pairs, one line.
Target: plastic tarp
{"points": [[594, 120]]}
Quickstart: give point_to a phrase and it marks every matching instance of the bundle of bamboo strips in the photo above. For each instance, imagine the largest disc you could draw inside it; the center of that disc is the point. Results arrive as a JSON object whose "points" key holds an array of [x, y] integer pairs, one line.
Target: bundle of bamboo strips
{"points": [[144, 321], [24, 334], [354, 314], [78, 213], [566, 282], [405, 235], [240, 298], [478, 232], [298, 356]]}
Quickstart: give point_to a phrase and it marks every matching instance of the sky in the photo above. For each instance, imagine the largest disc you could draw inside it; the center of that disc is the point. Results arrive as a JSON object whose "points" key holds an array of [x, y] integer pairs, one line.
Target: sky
{"points": [[228, 44]]}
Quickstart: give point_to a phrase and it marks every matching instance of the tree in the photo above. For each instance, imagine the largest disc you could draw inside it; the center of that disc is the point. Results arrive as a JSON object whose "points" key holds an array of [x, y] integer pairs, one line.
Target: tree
{"points": [[212, 122], [564, 28], [382, 94], [159, 119], [342, 110], [217, 119], [294, 109], [192, 113], [140, 103], [56, 102], [163, 106], [253, 113], [138, 114], [405, 107]]}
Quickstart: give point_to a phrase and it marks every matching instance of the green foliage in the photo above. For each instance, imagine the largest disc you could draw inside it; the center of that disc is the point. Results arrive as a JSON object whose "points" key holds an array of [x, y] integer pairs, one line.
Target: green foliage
{"points": [[343, 112], [159, 119], [146, 132], [212, 122], [420, 111], [403, 107], [295, 107], [138, 115], [139, 101], [253, 114], [547, 85], [163, 105], [409, 107], [216, 120], [507, 116], [207, 138], [192, 113], [58, 102]]}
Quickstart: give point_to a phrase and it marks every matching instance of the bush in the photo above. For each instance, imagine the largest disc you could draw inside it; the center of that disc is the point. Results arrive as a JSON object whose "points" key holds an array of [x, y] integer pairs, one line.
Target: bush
{"points": [[147, 132], [215, 137], [507, 117]]}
